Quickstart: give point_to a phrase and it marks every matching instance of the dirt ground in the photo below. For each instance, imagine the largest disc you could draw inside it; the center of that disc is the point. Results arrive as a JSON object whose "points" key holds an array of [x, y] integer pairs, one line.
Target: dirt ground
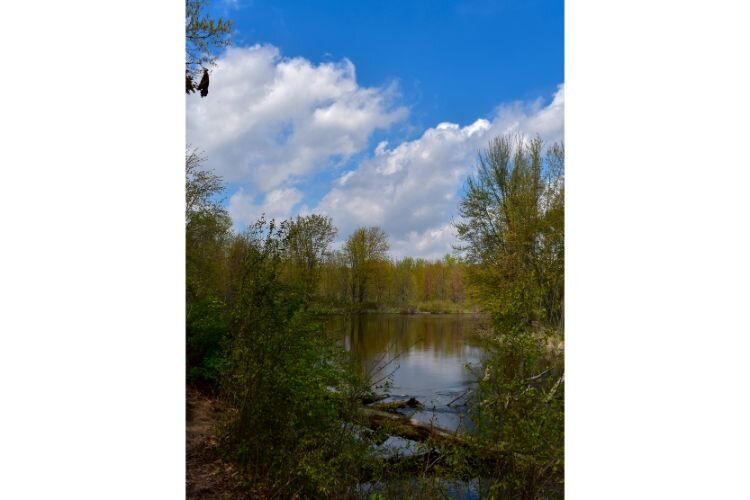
{"points": [[208, 476]]}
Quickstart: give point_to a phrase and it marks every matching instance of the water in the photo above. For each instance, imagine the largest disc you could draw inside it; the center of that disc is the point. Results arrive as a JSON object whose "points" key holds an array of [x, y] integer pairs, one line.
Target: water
{"points": [[428, 357]]}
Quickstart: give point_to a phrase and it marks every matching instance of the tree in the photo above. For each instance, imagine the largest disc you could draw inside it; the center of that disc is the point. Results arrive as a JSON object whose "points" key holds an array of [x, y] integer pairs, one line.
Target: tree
{"points": [[364, 249], [203, 36], [403, 281], [334, 282], [512, 230], [207, 225], [201, 187], [309, 238]]}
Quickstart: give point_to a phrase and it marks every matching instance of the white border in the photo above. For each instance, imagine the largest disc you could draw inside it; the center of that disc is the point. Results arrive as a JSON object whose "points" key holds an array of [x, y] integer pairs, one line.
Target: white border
{"points": [[92, 256], [657, 249]]}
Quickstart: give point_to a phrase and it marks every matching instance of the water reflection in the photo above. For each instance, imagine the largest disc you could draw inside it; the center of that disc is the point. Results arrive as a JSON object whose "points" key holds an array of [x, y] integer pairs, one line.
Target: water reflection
{"points": [[424, 356]]}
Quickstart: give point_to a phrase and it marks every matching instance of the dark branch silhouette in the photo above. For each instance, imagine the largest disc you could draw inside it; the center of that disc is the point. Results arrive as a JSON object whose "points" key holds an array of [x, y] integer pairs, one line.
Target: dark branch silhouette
{"points": [[189, 85], [203, 85]]}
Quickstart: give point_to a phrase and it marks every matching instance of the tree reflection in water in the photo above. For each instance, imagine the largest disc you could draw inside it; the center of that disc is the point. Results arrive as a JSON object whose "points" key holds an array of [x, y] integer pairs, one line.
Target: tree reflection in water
{"points": [[422, 356]]}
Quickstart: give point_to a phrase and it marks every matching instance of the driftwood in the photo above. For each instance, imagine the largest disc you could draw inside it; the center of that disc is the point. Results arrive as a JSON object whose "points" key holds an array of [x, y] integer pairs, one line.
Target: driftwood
{"points": [[395, 405], [444, 440], [445, 443], [409, 428]]}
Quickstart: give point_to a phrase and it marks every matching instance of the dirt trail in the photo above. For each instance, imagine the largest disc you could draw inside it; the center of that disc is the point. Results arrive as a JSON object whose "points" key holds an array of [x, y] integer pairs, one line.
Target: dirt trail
{"points": [[208, 477]]}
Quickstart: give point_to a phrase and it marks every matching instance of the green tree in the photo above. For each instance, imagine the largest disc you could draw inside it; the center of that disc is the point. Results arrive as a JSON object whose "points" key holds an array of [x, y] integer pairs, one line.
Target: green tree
{"points": [[512, 233], [512, 227], [364, 249], [334, 282], [309, 239]]}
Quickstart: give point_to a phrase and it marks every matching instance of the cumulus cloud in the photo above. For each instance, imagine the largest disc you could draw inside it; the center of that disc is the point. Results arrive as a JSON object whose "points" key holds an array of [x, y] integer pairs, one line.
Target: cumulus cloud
{"points": [[412, 189], [269, 121], [245, 208], [431, 243], [271, 124], [533, 118]]}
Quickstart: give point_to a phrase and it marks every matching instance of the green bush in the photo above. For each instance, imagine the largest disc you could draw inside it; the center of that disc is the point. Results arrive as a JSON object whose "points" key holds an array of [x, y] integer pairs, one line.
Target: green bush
{"points": [[518, 411], [286, 380], [206, 331]]}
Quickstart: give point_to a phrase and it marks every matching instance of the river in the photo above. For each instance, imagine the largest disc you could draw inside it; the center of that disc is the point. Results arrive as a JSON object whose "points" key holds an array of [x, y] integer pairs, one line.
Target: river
{"points": [[425, 356]]}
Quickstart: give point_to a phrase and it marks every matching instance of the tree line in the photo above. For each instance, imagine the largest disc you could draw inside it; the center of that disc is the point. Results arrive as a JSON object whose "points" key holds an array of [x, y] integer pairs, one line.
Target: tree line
{"points": [[362, 277]]}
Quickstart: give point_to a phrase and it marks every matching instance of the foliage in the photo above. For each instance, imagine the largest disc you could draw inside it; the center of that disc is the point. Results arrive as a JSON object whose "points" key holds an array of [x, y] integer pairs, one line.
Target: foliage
{"points": [[203, 36], [408, 285], [206, 234], [365, 249], [308, 241], [512, 229], [206, 329], [511, 225], [285, 378], [518, 411], [201, 187], [287, 383]]}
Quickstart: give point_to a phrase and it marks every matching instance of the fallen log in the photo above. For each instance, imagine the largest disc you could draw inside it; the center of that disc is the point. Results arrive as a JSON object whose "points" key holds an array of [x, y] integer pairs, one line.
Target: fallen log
{"points": [[395, 405], [409, 428], [445, 443]]}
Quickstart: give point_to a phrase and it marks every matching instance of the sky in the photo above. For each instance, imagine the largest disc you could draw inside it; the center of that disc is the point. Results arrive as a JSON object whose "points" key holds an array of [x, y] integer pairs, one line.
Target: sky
{"points": [[373, 113]]}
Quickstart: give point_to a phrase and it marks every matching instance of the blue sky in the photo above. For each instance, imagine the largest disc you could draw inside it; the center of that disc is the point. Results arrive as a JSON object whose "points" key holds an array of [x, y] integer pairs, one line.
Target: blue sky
{"points": [[373, 112], [454, 60]]}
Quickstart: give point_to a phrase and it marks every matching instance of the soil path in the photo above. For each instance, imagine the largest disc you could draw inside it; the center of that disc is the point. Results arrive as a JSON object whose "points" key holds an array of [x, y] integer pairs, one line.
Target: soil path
{"points": [[208, 477]]}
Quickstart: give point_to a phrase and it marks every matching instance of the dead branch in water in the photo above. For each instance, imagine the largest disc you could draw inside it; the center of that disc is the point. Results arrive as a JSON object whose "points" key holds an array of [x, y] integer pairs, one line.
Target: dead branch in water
{"points": [[395, 405], [408, 428], [467, 391]]}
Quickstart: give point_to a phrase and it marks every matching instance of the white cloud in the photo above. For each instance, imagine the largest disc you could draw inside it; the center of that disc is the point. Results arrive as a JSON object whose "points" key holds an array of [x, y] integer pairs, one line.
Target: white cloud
{"points": [[532, 119], [411, 190], [277, 204], [269, 121], [431, 243]]}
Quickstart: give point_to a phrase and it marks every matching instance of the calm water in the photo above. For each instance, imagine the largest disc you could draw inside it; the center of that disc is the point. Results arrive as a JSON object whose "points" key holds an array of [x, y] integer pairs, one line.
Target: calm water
{"points": [[421, 356]]}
